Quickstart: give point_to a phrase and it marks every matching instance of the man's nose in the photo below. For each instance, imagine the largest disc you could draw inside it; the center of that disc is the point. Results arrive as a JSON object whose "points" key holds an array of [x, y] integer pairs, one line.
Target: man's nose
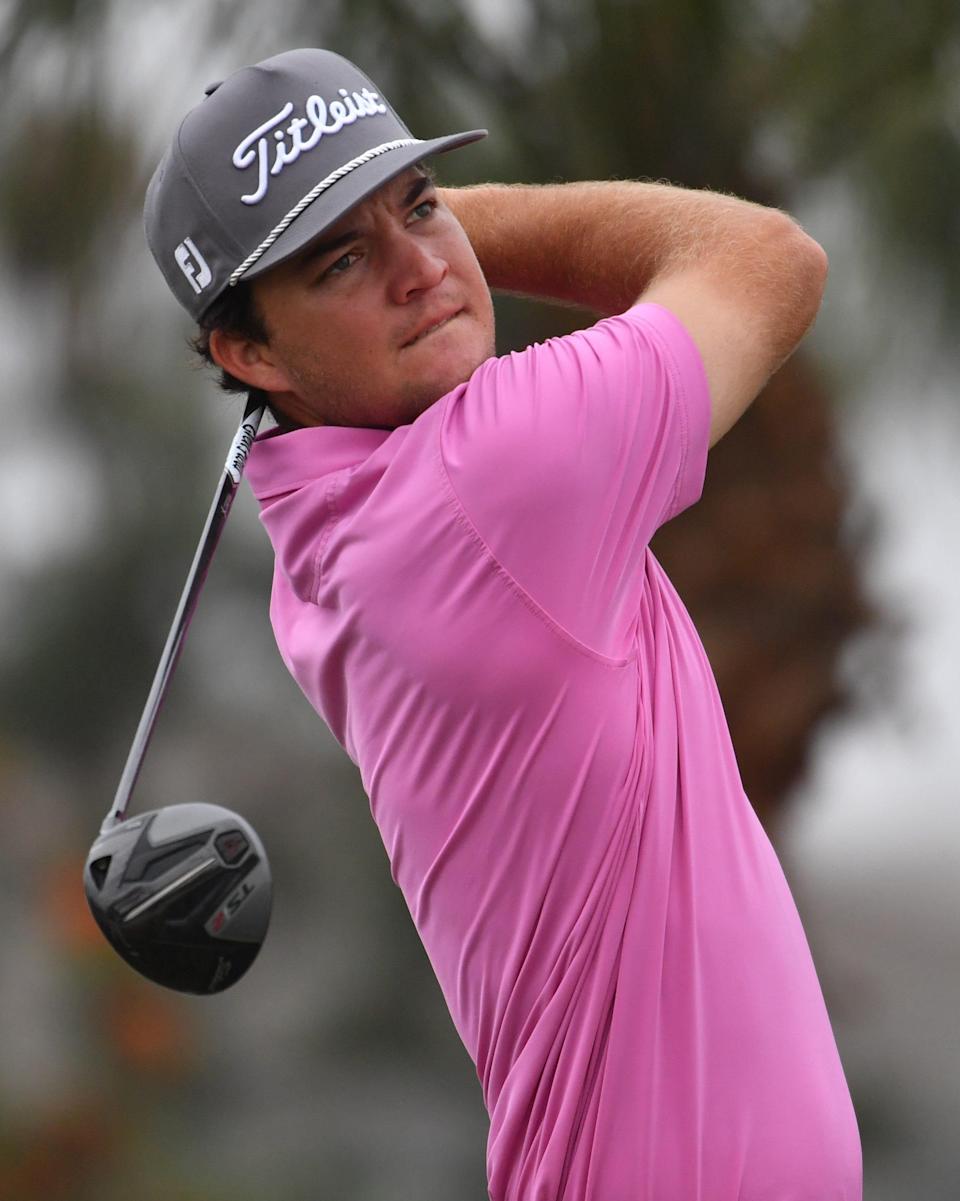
{"points": [[416, 267]]}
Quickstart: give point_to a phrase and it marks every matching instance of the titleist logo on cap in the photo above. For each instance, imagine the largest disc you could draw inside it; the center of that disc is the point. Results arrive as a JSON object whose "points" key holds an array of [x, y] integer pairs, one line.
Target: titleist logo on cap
{"points": [[322, 119]]}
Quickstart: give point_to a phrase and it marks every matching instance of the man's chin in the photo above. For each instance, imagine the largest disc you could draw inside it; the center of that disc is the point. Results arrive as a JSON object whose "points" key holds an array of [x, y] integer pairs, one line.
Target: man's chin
{"points": [[417, 405], [436, 390], [421, 394]]}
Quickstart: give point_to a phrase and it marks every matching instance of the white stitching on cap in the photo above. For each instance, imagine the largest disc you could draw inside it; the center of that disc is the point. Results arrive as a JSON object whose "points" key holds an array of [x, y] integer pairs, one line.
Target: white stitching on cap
{"points": [[322, 186]]}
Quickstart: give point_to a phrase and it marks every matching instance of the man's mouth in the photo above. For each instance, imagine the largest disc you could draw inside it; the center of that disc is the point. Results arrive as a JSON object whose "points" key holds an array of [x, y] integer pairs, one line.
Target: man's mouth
{"points": [[439, 323]]}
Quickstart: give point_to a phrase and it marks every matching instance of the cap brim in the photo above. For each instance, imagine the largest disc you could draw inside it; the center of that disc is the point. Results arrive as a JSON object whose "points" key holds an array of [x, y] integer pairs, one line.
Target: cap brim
{"points": [[354, 187]]}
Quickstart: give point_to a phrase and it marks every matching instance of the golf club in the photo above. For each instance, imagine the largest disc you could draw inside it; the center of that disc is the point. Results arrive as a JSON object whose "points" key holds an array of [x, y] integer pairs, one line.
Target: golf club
{"points": [[183, 893]]}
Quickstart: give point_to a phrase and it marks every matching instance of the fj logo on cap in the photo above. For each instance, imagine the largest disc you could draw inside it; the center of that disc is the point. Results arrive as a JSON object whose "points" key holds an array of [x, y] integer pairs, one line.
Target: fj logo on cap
{"points": [[193, 265], [323, 119]]}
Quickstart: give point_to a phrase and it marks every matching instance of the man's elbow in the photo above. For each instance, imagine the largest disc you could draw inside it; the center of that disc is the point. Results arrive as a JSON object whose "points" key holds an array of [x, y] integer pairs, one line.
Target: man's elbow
{"points": [[810, 267], [796, 277]]}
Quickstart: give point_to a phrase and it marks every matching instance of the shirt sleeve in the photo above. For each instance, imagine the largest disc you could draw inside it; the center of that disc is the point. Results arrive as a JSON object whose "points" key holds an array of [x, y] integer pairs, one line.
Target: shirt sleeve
{"points": [[568, 456]]}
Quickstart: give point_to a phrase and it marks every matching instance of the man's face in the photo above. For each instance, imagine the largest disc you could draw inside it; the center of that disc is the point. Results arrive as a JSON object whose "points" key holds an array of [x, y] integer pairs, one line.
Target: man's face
{"points": [[379, 317]]}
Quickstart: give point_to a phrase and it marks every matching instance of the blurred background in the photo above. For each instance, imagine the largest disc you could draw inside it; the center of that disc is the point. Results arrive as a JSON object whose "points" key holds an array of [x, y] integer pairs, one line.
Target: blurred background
{"points": [[821, 568]]}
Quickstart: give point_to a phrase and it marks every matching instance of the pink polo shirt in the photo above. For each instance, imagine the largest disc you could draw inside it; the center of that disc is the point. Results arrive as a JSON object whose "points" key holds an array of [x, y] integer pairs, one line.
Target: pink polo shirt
{"points": [[470, 604]]}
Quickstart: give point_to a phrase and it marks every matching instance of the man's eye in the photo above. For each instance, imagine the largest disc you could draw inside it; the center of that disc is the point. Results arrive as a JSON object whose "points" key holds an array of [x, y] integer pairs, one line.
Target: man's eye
{"points": [[424, 208], [341, 265]]}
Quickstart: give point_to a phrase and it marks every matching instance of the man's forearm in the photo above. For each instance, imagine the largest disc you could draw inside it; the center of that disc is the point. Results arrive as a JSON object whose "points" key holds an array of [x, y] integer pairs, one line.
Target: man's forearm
{"points": [[600, 245]]}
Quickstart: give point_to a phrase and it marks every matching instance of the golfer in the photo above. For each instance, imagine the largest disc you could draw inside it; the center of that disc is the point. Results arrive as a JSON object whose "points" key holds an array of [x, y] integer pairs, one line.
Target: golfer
{"points": [[465, 593]]}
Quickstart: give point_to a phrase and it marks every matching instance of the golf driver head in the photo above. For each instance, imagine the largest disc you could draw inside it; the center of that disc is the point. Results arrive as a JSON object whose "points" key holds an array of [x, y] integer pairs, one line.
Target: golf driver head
{"points": [[183, 894]]}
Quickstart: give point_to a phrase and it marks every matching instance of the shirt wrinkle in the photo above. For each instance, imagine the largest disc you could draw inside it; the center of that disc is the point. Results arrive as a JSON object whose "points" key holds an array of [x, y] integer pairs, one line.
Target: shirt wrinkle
{"points": [[612, 931]]}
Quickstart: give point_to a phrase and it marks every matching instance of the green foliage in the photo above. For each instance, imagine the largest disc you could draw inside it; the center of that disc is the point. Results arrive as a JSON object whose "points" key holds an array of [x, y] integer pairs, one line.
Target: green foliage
{"points": [[73, 184], [870, 92]]}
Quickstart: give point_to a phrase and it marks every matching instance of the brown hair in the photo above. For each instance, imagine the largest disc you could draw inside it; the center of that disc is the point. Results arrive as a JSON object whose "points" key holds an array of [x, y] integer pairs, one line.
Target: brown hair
{"points": [[234, 311]]}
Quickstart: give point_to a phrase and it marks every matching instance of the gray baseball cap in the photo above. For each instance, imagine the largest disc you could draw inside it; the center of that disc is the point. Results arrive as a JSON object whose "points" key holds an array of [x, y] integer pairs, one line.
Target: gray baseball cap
{"points": [[274, 155]]}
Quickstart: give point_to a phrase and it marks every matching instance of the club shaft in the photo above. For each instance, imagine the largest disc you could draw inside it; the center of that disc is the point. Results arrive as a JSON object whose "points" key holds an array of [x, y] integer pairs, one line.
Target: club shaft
{"points": [[216, 518]]}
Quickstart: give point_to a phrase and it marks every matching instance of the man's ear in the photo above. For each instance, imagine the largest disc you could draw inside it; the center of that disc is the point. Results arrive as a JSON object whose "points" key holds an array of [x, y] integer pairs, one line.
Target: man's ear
{"points": [[248, 361]]}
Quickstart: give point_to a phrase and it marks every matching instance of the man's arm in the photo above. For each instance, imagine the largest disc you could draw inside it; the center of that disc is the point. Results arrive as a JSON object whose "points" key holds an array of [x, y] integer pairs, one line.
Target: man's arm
{"points": [[745, 280]]}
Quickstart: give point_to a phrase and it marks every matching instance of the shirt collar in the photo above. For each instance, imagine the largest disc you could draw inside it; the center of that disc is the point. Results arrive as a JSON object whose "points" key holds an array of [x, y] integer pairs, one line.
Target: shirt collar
{"points": [[280, 462]]}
